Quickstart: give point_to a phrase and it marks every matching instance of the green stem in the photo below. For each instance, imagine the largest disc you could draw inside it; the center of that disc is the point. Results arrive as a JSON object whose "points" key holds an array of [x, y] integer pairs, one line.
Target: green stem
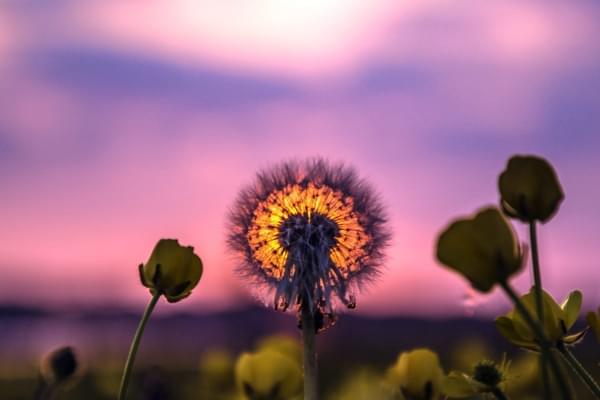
{"points": [[499, 394], [135, 344], [311, 391], [537, 279], [537, 276], [576, 366], [543, 342], [546, 388]]}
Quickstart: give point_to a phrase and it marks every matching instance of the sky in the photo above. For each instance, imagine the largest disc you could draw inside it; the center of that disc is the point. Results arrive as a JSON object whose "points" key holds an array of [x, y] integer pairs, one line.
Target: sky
{"points": [[125, 122]]}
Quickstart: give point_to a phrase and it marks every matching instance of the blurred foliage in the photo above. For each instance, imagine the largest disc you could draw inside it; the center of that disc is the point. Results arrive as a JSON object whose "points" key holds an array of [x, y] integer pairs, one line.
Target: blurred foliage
{"points": [[212, 376]]}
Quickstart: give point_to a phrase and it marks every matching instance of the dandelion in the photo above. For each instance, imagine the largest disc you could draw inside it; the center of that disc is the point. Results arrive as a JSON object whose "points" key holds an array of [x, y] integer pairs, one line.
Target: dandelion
{"points": [[309, 233]]}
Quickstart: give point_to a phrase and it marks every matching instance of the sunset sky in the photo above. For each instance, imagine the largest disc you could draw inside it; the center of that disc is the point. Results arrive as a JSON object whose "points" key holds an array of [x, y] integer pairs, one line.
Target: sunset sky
{"points": [[125, 122]]}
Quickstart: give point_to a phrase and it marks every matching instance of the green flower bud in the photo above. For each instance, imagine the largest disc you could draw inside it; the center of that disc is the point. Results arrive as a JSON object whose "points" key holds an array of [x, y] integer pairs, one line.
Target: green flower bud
{"points": [[172, 270], [558, 320], [268, 375], [418, 374], [59, 366], [529, 189], [484, 249]]}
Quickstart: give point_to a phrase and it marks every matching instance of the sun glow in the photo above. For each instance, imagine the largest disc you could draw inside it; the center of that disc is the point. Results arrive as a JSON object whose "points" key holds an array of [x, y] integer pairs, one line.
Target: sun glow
{"points": [[264, 234]]}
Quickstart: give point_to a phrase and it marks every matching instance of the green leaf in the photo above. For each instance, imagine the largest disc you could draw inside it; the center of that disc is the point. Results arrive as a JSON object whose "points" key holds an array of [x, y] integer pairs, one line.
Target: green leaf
{"points": [[571, 307]]}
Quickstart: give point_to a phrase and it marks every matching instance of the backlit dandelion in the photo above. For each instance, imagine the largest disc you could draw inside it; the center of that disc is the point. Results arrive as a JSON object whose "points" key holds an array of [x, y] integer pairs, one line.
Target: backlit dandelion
{"points": [[309, 233]]}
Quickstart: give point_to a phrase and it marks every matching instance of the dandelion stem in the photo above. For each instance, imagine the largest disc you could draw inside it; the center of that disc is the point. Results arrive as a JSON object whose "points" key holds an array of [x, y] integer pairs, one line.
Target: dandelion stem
{"points": [[135, 344], [579, 369], [537, 280], [543, 342], [310, 354]]}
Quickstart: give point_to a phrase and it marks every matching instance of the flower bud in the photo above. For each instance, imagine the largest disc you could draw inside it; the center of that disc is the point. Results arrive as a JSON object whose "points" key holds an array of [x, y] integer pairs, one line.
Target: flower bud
{"points": [[268, 374], [58, 366], [529, 189], [484, 249], [172, 270], [418, 374]]}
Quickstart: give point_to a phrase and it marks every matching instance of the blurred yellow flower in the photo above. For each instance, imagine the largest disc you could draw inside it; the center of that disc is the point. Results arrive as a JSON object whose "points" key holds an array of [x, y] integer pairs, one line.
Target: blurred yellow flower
{"points": [[172, 270], [216, 373], [484, 249], [268, 375], [365, 385], [417, 374], [283, 344], [529, 189], [593, 320], [558, 319], [467, 353]]}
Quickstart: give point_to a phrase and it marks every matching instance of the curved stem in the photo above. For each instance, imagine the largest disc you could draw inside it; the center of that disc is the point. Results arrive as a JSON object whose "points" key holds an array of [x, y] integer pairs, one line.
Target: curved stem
{"points": [[545, 345], [311, 391], [135, 344], [579, 369]]}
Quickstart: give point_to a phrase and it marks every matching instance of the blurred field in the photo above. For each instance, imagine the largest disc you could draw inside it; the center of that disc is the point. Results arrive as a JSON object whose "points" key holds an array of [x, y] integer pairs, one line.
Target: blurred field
{"points": [[174, 346]]}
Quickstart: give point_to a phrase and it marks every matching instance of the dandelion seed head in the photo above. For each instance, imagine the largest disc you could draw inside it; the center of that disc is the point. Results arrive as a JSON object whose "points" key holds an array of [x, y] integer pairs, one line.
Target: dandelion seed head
{"points": [[309, 232]]}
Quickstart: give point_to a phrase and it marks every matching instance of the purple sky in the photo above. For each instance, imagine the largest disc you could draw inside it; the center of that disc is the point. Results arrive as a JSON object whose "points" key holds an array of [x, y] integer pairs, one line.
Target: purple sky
{"points": [[124, 123]]}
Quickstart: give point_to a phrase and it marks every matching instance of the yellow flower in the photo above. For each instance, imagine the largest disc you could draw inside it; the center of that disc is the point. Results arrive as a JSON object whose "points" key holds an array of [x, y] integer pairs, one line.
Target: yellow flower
{"points": [[593, 320], [484, 249], [417, 374], [558, 319], [172, 270], [268, 374], [529, 189]]}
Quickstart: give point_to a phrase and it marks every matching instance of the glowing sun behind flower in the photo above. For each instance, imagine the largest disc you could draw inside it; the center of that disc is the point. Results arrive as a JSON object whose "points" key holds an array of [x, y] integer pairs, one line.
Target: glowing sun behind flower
{"points": [[310, 232]]}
